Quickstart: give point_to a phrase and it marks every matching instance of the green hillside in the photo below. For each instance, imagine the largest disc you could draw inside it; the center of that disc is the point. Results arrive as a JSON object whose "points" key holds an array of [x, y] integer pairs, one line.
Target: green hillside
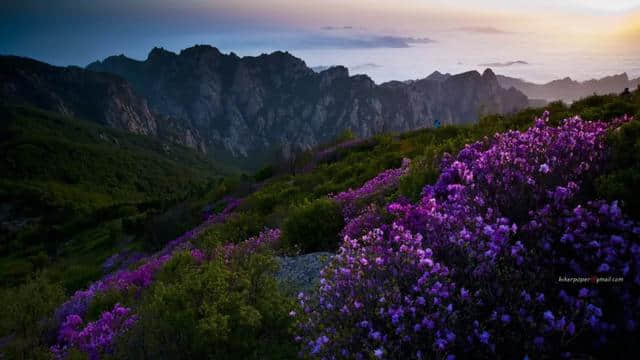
{"points": [[67, 181], [118, 193]]}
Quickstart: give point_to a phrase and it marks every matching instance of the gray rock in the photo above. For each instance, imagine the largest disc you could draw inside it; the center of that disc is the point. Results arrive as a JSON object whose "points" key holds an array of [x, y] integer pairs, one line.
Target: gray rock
{"points": [[302, 273]]}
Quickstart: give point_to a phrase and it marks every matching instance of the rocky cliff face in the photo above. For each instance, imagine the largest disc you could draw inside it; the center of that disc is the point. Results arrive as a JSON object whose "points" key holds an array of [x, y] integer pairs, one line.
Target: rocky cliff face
{"points": [[103, 98], [252, 106]]}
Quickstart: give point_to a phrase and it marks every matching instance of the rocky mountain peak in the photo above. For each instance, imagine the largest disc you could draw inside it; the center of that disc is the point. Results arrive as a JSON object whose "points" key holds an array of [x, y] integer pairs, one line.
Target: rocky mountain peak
{"points": [[201, 51], [332, 74], [489, 75], [159, 53], [438, 76]]}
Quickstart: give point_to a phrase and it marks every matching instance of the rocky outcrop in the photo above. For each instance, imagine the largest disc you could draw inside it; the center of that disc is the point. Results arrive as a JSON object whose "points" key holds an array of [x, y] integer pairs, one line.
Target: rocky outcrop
{"points": [[302, 272], [100, 97], [570, 90], [252, 106]]}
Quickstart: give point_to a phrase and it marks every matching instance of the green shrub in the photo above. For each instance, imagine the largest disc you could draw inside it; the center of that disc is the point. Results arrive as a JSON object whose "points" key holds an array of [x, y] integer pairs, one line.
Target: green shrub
{"points": [[264, 173], [421, 173], [26, 315], [216, 311], [313, 226], [623, 176], [238, 227]]}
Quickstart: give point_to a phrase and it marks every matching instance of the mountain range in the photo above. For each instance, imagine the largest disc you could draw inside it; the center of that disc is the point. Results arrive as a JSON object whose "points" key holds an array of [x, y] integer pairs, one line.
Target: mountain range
{"points": [[570, 90], [565, 89], [248, 109]]}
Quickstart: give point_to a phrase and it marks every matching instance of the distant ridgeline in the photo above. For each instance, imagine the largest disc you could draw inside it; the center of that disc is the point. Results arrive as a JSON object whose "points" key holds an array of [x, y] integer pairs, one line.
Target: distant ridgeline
{"points": [[570, 90], [251, 109]]}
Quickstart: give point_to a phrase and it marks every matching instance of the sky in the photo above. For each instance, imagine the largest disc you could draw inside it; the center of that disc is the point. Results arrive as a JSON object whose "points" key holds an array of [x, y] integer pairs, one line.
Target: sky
{"points": [[386, 39]]}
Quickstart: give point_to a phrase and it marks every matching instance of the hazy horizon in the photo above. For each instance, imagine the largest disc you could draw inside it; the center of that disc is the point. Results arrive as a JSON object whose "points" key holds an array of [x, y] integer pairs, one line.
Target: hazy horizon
{"points": [[401, 41]]}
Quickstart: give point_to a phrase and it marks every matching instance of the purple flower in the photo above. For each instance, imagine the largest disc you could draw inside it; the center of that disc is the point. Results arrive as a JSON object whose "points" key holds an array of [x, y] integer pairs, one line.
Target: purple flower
{"points": [[484, 337], [538, 341], [604, 267], [544, 168], [583, 293]]}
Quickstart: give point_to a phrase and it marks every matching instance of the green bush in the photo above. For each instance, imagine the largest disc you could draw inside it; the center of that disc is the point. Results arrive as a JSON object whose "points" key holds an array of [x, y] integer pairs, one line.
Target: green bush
{"points": [[238, 227], [421, 173], [623, 176], [216, 311], [264, 173], [26, 318], [313, 226]]}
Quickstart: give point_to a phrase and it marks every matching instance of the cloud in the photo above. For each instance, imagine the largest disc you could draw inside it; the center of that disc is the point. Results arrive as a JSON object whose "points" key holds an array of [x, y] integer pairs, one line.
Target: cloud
{"points": [[366, 66], [359, 42], [330, 28], [423, 40], [482, 30], [320, 68], [505, 64]]}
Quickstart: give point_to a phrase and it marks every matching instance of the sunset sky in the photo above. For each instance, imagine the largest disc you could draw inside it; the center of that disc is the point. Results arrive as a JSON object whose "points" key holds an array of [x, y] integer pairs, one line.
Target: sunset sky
{"points": [[77, 32]]}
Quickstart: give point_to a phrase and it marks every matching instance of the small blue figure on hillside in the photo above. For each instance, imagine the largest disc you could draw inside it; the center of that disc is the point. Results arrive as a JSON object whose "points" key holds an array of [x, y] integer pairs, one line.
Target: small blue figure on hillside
{"points": [[436, 124]]}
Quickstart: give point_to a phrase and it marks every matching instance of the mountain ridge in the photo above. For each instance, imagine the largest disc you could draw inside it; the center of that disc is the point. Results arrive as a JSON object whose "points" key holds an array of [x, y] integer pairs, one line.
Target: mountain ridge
{"points": [[252, 105], [72, 91], [247, 110], [568, 89]]}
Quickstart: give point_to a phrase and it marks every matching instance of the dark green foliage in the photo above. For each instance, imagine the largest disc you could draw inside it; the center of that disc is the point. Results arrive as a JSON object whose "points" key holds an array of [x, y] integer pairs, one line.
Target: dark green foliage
{"points": [[217, 311], [622, 182], [238, 227], [26, 318], [75, 157], [162, 227], [264, 173], [65, 180], [313, 226]]}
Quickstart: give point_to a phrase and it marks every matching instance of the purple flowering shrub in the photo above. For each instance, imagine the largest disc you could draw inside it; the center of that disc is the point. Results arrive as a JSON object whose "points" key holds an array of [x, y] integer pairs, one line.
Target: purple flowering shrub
{"points": [[352, 199], [388, 276], [125, 281], [269, 238], [96, 337], [473, 267], [370, 217], [216, 218]]}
